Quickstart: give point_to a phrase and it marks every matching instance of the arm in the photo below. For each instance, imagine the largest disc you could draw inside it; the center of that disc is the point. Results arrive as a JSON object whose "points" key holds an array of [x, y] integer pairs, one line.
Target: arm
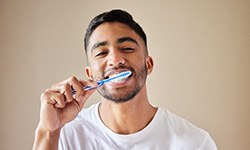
{"points": [[59, 106], [45, 139]]}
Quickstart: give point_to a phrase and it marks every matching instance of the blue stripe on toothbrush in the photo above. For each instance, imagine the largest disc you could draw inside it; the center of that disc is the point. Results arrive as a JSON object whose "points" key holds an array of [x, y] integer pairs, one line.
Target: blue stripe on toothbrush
{"points": [[124, 74]]}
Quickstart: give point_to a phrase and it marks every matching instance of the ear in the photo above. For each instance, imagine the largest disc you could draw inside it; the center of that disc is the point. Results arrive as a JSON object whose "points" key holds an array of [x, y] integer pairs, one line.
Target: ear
{"points": [[149, 64], [88, 72]]}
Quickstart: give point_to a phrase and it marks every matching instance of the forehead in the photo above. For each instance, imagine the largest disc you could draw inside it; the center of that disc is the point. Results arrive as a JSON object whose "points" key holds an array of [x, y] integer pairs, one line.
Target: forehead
{"points": [[110, 32]]}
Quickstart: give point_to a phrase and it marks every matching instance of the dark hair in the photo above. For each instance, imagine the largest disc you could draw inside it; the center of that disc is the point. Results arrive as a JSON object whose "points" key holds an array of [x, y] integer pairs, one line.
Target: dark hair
{"points": [[114, 16]]}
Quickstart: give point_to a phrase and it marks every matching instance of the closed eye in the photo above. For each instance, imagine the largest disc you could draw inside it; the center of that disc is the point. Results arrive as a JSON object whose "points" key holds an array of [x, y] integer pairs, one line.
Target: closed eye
{"points": [[101, 54], [127, 49]]}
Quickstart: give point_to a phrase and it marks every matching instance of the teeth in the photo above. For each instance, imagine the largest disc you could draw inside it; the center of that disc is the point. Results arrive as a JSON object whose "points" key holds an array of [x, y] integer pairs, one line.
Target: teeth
{"points": [[119, 79], [112, 75]]}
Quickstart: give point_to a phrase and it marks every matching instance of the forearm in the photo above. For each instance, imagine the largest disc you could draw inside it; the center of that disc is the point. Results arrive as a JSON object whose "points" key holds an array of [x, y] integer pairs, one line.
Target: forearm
{"points": [[46, 139]]}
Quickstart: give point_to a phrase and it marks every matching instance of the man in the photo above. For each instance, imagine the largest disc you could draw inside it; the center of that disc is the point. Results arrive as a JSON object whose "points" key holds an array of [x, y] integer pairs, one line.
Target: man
{"points": [[124, 118]]}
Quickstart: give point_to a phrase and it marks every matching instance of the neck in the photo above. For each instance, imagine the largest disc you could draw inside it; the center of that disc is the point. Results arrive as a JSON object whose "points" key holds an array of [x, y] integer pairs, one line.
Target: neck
{"points": [[128, 117]]}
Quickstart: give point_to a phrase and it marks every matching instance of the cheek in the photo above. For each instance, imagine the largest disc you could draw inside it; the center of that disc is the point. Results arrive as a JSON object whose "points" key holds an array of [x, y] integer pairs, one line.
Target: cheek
{"points": [[97, 70], [95, 65], [139, 62]]}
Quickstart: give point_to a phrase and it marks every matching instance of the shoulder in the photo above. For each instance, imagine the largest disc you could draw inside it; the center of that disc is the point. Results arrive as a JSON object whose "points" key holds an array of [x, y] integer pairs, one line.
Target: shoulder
{"points": [[186, 132], [179, 124]]}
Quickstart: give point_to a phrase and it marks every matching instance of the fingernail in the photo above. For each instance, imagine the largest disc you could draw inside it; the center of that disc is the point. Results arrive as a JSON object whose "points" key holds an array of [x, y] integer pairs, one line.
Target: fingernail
{"points": [[74, 96]]}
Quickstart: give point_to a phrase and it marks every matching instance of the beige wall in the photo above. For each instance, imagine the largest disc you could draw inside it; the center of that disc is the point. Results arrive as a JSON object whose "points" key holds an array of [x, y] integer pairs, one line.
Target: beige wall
{"points": [[200, 48]]}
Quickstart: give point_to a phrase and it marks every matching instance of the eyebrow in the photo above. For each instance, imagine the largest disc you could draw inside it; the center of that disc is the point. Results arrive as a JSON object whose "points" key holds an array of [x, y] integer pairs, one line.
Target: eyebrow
{"points": [[127, 39], [98, 44]]}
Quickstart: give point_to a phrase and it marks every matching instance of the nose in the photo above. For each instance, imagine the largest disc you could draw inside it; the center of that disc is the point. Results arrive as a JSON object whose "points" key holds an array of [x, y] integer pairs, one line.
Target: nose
{"points": [[115, 58]]}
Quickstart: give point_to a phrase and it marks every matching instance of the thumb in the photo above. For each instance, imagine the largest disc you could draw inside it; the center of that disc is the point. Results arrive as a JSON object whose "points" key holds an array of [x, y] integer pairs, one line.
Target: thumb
{"points": [[83, 96]]}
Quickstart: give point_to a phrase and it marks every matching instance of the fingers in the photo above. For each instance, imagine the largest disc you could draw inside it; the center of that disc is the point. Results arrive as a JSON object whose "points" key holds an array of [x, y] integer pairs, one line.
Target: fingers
{"points": [[53, 98], [59, 105], [61, 93], [68, 93], [85, 94], [77, 86]]}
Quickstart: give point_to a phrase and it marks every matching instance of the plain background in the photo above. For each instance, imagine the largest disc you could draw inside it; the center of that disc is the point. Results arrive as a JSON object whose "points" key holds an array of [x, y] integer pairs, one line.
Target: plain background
{"points": [[200, 50]]}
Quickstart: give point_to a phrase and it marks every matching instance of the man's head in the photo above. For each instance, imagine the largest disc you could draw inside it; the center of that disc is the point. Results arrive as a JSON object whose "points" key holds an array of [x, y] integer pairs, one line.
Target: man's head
{"points": [[114, 16], [113, 45]]}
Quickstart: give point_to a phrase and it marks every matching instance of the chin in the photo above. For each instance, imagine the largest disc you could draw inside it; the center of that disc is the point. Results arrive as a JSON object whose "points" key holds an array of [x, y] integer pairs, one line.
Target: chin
{"points": [[120, 95]]}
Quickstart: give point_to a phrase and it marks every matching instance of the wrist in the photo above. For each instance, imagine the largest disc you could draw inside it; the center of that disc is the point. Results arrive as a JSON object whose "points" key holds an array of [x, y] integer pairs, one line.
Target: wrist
{"points": [[46, 139], [41, 131]]}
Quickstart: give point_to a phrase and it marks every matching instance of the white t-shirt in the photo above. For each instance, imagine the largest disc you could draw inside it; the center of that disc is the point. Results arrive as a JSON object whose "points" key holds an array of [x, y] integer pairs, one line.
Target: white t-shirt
{"points": [[165, 132]]}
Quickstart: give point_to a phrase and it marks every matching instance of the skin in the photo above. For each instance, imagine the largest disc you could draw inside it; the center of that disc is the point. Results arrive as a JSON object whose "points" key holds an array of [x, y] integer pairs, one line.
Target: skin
{"points": [[113, 47]]}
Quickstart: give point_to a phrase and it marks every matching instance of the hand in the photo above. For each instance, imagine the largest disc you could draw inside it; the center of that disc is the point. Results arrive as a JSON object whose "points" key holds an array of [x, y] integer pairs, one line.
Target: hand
{"points": [[59, 105]]}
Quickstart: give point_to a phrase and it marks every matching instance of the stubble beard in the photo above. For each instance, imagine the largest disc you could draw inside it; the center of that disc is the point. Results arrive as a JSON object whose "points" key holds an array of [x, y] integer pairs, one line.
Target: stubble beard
{"points": [[125, 94]]}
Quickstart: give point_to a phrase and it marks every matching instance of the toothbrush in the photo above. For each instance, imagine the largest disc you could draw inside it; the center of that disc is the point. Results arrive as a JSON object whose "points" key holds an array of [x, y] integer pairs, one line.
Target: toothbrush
{"points": [[121, 75]]}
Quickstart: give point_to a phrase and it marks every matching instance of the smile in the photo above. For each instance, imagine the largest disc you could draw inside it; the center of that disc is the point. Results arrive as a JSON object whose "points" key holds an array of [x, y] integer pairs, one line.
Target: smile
{"points": [[121, 78]]}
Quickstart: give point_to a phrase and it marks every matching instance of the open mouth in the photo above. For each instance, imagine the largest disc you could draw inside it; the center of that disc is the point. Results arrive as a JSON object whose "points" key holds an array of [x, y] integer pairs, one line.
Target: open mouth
{"points": [[117, 77]]}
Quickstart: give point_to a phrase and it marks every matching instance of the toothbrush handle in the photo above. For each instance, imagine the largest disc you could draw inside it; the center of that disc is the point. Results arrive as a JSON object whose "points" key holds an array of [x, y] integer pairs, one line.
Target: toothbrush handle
{"points": [[88, 87], [101, 82], [85, 88]]}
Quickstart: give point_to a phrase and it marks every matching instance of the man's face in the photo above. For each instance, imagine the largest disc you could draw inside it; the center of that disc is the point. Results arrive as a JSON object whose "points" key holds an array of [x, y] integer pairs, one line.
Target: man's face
{"points": [[113, 48]]}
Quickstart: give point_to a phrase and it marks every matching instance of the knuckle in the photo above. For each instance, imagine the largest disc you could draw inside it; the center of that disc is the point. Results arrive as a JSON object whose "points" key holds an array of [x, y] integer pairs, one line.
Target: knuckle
{"points": [[62, 97], [54, 85], [44, 94], [72, 79], [66, 87]]}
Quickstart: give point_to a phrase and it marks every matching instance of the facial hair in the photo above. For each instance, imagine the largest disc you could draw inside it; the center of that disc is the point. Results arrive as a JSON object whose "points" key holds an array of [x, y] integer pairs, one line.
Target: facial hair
{"points": [[124, 93]]}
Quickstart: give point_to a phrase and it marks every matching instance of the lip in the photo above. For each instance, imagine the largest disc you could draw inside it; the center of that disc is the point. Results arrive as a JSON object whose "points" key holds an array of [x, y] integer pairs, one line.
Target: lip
{"points": [[113, 72], [117, 83]]}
